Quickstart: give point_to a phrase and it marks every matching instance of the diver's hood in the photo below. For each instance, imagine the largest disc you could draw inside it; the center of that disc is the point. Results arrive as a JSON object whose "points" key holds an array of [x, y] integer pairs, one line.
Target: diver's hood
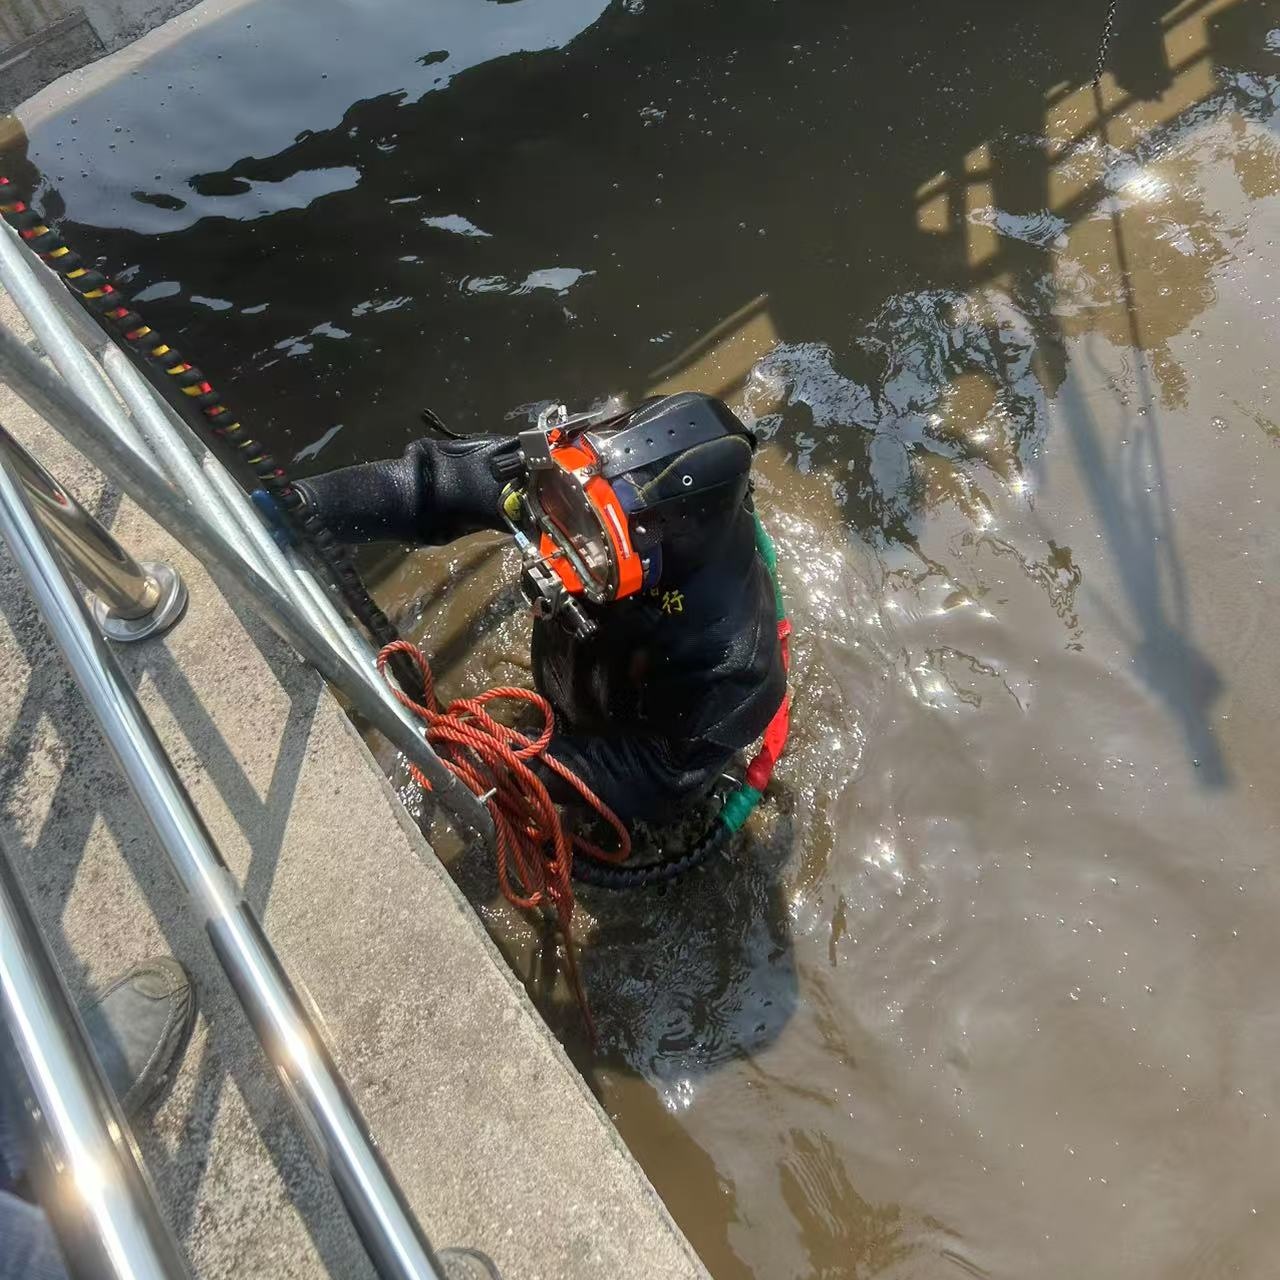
{"points": [[681, 465]]}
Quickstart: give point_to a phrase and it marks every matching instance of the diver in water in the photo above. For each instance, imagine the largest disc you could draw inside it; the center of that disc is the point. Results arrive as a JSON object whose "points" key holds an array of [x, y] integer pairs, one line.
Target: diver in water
{"points": [[655, 636]]}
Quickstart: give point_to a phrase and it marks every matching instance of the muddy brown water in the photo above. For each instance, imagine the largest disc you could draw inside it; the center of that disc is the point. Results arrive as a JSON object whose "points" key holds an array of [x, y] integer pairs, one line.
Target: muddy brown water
{"points": [[990, 987]]}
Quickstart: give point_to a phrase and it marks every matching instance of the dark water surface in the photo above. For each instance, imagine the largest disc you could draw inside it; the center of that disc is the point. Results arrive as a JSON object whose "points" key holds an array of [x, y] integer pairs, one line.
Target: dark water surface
{"points": [[991, 988]]}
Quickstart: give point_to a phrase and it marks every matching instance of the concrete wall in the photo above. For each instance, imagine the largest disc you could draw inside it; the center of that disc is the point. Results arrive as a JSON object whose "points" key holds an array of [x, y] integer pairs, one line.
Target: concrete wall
{"points": [[117, 21], [42, 39], [22, 19]]}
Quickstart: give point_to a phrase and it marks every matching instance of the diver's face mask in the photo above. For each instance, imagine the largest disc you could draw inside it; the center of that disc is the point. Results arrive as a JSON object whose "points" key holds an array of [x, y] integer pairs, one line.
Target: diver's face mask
{"points": [[598, 524]]}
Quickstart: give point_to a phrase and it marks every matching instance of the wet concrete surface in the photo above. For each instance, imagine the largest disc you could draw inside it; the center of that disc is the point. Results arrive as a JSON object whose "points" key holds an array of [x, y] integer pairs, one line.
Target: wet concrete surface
{"points": [[987, 990]]}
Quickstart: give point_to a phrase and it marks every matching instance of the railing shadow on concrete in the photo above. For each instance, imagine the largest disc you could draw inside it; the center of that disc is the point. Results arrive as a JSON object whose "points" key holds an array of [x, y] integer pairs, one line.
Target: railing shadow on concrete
{"points": [[51, 860]]}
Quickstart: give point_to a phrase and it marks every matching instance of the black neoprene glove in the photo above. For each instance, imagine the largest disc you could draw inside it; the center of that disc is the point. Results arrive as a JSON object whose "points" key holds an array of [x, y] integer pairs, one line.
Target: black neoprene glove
{"points": [[437, 491]]}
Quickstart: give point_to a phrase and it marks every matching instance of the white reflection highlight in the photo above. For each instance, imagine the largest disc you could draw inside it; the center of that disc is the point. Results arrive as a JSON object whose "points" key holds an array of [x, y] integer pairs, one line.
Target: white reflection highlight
{"points": [[678, 1096], [1144, 186]]}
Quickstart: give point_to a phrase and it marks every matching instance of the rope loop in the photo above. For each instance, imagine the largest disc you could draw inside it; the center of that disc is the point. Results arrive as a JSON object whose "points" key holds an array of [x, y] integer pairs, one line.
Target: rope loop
{"points": [[534, 852]]}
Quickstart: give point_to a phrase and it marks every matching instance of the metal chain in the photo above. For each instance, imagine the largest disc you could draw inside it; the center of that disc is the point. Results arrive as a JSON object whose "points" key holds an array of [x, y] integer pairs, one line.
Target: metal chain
{"points": [[1107, 28]]}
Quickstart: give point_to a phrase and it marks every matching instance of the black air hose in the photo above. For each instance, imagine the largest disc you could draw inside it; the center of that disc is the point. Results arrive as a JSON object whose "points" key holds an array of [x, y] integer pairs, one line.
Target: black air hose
{"points": [[601, 875]]}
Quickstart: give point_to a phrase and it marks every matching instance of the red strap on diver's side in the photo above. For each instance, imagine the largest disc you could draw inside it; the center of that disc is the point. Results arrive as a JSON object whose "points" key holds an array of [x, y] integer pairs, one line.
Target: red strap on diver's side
{"points": [[760, 770]]}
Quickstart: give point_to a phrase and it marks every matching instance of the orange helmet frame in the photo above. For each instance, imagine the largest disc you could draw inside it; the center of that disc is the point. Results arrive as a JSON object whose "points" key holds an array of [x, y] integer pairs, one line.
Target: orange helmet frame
{"points": [[561, 493]]}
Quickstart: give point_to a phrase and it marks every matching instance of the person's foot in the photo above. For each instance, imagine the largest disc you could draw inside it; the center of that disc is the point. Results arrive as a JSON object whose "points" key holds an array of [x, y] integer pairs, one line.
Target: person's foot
{"points": [[467, 1264], [139, 1026]]}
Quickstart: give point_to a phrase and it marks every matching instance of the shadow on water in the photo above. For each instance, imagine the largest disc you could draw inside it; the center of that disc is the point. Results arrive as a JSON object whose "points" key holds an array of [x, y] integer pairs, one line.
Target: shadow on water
{"points": [[723, 986]]}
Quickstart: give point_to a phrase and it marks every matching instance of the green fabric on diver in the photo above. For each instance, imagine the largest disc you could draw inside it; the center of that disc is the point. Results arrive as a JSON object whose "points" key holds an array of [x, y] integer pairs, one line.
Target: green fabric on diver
{"points": [[739, 807], [764, 545], [742, 803]]}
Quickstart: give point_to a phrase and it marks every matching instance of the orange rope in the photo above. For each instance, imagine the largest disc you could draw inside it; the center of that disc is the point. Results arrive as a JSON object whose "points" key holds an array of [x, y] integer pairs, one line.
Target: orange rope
{"points": [[492, 760]]}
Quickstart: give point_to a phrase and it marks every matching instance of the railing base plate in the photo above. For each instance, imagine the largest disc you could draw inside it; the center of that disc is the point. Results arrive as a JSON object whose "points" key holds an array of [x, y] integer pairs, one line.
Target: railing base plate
{"points": [[169, 609]]}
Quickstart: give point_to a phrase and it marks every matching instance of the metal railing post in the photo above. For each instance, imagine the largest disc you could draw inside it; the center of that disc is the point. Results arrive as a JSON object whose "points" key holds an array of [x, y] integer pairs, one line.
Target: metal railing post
{"points": [[99, 1200], [218, 494], [394, 1241], [130, 600], [194, 470]]}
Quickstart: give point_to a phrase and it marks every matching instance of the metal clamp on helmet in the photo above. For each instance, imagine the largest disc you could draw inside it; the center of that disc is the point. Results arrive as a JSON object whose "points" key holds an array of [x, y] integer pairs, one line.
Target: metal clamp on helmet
{"points": [[584, 529]]}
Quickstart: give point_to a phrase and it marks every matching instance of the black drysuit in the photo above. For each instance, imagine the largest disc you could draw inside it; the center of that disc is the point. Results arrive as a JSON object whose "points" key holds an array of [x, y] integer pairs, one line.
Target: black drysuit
{"points": [[672, 684]]}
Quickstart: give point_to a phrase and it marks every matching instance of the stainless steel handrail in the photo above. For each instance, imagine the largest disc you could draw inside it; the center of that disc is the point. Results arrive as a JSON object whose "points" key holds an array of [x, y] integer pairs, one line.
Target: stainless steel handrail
{"points": [[131, 601], [101, 563], [195, 471], [99, 1199], [394, 1241]]}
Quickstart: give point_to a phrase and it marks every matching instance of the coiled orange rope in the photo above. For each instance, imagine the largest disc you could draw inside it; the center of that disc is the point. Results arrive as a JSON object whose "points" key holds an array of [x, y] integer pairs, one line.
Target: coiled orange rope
{"points": [[492, 759]]}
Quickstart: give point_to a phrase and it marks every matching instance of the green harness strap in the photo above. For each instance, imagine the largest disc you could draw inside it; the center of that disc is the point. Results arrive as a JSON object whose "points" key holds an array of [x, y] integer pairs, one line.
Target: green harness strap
{"points": [[740, 804]]}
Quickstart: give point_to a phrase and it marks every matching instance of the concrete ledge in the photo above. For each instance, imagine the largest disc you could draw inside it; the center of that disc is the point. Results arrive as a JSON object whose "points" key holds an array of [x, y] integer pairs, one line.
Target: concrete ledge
{"points": [[493, 1135], [80, 36], [33, 63]]}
